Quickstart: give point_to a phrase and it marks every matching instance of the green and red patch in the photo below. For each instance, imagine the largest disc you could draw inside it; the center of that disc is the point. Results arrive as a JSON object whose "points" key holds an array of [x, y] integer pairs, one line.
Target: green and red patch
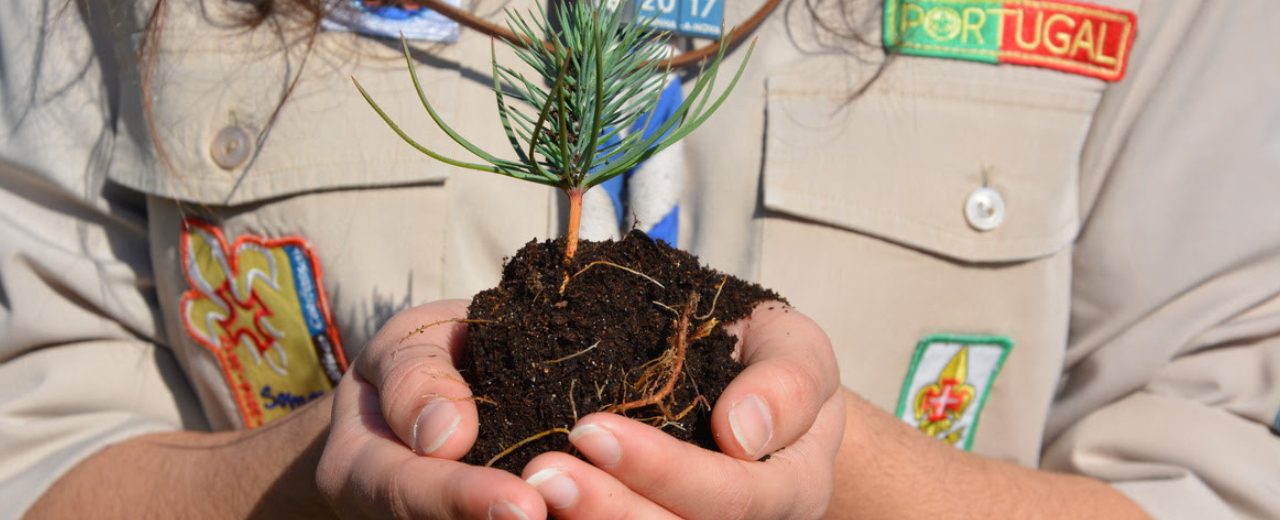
{"points": [[1069, 36]]}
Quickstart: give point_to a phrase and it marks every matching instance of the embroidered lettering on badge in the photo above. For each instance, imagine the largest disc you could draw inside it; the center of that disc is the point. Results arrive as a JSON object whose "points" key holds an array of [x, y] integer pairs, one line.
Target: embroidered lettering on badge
{"points": [[948, 384], [1057, 34], [259, 307]]}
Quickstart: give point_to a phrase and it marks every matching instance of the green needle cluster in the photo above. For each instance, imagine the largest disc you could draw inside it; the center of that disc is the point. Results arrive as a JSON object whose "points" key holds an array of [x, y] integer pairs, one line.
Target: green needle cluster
{"points": [[598, 77]]}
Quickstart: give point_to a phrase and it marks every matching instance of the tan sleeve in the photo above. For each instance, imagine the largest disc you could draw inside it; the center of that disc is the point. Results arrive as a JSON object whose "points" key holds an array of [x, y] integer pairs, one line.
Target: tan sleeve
{"points": [[79, 366], [1172, 383], [59, 405], [1194, 443]]}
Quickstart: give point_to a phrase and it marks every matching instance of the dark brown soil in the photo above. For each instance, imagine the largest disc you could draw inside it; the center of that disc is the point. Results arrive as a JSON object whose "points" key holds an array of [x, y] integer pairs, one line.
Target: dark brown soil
{"points": [[542, 358]]}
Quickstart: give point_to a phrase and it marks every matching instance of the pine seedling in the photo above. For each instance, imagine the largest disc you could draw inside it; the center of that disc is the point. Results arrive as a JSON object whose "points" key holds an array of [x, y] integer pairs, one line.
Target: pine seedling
{"points": [[597, 79]]}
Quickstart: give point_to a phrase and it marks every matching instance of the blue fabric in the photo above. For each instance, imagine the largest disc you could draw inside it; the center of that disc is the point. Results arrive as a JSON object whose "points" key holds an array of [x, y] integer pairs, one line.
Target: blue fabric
{"points": [[667, 229], [649, 193], [668, 102]]}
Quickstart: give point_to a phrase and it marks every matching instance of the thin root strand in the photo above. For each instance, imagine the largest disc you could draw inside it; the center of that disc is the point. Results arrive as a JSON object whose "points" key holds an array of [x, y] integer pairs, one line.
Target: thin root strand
{"points": [[446, 375], [568, 357], [674, 357], [475, 398], [567, 279], [441, 322], [527, 440], [714, 299]]}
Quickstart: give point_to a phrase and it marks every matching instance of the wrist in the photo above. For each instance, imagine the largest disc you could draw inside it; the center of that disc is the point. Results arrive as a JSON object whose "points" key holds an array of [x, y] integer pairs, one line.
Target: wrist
{"points": [[268, 472], [886, 469], [277, 466]]}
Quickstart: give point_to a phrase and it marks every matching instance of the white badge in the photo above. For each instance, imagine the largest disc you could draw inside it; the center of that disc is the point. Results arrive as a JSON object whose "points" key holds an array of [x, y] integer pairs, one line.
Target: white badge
{"points": [[948, 385], [373, 18]]}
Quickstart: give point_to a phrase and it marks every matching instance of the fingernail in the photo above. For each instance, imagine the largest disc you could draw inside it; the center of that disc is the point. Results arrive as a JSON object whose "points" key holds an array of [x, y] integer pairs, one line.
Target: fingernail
{"points": [[506, 511], [598, 444], [437, 421], [752, 424], [557, 489]]}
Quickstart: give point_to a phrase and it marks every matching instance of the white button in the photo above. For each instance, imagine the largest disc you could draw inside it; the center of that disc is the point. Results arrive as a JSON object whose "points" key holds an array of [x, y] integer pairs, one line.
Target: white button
{"points": [[230, 147], [985, 209]]}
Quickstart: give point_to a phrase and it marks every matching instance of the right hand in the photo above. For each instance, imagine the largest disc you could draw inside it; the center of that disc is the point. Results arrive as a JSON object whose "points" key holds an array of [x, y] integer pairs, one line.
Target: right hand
{"points": [[401, 420], [787, 397]]}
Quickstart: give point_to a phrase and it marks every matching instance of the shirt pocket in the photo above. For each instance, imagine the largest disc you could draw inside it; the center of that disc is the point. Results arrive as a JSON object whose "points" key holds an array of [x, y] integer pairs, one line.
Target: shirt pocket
{"points": [[906, 160], [233, 126]]}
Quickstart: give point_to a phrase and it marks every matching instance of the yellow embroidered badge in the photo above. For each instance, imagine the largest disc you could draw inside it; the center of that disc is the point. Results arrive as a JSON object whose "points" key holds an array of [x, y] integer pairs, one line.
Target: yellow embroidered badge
{"points": [[948, 385], [259, 307]]}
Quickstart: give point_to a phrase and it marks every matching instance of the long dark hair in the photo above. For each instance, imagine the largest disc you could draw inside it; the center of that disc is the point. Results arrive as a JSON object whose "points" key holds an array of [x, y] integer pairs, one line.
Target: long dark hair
{"points": [[847, 27], [297, 20]]}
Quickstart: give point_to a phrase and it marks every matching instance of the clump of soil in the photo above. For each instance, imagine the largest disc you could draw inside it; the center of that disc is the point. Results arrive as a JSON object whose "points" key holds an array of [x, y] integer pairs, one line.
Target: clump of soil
{"points": [[551, 344]]}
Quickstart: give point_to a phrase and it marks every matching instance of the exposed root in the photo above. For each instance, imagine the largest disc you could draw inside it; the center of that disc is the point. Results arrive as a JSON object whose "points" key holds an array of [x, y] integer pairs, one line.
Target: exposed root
{"points": [[475, 398], [694, 383], [701, 400], [568, 357], [447, 375], [652, 371], [671, 361], [705, 329], [567, 279], [669, 419], [667, 307], [573, 405], [714, 300], [442, 322], [669, 367], [528, 440]]}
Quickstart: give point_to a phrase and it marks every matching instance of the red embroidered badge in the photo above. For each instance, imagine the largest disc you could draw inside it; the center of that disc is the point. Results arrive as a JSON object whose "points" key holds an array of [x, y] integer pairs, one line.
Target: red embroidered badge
{"points": [[259, 307]]}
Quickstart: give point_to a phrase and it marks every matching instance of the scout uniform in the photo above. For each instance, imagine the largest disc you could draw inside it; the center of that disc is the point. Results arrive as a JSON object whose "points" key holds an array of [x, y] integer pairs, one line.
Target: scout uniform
{"points": [[1046, 233]]}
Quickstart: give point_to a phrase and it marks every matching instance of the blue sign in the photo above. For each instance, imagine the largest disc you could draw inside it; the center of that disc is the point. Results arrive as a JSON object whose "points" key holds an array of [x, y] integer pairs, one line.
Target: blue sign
{"points": [[700, 18], [663, 13]]}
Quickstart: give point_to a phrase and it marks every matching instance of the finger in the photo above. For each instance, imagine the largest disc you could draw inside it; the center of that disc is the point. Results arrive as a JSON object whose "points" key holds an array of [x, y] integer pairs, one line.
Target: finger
{"points": [[791, 371], [575, 490], [695, 483], [424, 399], [366, 473]]}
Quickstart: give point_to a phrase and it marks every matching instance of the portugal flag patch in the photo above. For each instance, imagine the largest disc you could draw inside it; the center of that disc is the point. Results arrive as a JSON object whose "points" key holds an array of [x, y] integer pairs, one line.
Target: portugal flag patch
{"points": [[1068, 36]]}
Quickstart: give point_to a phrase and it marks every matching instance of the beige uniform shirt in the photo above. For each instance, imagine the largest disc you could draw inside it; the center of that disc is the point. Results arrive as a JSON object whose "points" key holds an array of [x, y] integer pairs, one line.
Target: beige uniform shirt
{"points": [[1034, 265]]}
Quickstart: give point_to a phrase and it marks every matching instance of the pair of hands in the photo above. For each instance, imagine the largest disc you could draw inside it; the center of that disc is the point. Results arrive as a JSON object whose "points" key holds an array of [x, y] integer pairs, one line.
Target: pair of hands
{"points": [[401, 420]]}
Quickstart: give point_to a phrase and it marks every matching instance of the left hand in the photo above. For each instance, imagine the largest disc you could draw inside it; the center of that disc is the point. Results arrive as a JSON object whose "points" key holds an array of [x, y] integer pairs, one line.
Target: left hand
{"points": [[401, 418], [786, 398]]}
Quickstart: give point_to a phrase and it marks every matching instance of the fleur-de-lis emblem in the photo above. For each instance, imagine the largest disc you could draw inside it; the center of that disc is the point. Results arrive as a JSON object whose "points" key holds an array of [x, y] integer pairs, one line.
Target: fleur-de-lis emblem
{"points": [[939, 405], [258, 307]]}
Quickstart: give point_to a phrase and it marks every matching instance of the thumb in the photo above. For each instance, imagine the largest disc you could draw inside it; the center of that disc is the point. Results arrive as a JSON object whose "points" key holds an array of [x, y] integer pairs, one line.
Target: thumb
{"points": [[423, 397]]}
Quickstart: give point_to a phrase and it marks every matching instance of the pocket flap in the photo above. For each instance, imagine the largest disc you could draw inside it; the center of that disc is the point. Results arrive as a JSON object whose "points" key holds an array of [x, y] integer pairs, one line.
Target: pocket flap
{"points": [[904, 160], [225, 137]]}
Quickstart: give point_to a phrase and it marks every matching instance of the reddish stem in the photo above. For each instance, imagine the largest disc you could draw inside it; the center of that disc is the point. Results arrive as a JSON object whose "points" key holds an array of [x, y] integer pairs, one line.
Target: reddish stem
{"points": [[575, 221]]}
